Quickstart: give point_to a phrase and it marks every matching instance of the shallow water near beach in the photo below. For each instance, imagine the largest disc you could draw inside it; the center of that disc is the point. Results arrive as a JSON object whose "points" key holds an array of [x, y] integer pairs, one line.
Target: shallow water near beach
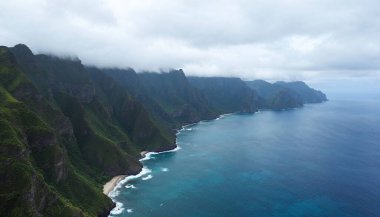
{"points": [[319, 160]]}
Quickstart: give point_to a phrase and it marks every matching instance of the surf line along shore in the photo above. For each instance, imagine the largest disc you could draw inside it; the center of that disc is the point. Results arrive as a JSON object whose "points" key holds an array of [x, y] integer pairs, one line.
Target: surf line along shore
{"points": [[112, 184], [111, 188]]}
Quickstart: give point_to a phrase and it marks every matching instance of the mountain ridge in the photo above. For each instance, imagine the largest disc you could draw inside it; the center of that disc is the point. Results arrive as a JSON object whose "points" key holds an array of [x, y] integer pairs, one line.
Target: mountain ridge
{"points": [[285, 95], [67, 128]]}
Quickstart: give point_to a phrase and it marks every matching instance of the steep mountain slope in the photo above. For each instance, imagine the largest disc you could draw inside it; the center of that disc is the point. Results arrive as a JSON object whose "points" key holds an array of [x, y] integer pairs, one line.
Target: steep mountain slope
{"points": [[169, 96], [283, 95], [274, 96], [307, 94], [226, 95], [66, 129], [73, 136], [33, 155], [129, 80], [173, 92]]}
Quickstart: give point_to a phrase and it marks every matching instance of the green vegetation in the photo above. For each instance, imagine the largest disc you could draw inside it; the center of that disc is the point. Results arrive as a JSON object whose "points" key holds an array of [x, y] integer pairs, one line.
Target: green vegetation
{"points": [[66, 129], [285, 95], [61, 137], [226, 95]]}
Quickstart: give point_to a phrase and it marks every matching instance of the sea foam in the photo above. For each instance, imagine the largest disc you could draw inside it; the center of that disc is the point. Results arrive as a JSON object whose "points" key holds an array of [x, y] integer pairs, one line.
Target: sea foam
{"points": [[118, 209], [130, 186], [115, 192], [147, 177], [149, 155]]}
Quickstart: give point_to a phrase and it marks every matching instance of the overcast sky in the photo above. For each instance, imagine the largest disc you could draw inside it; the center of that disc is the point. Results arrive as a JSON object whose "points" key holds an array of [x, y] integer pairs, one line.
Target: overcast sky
{"points": [[268, 39]]}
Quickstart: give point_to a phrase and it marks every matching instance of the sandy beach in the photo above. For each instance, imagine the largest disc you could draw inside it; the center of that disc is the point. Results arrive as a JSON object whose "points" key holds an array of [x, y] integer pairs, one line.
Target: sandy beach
{"points": [[107, 188], [143, 153]]}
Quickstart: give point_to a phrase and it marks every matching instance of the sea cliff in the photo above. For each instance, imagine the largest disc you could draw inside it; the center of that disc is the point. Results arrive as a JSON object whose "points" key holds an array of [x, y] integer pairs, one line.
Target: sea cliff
{"points": [[67, 128]]}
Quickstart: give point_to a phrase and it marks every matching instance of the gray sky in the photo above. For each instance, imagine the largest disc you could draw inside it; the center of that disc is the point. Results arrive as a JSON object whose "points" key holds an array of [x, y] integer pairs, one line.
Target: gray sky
{"points": [[268, 39]]}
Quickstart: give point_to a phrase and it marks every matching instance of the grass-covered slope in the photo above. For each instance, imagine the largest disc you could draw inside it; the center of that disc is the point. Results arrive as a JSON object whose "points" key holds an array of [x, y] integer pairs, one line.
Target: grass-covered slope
{"points": [[307, 94], [168, 96], [273, 96], [66, 129], [173, 92], [64, 132], [33, 160], [284, 95], [132, 116], [226, 95], [130, 81]]}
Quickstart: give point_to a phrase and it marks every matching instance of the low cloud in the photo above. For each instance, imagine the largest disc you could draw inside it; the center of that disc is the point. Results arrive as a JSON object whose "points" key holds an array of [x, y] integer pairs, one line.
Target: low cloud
{"points": [[287, 39]]}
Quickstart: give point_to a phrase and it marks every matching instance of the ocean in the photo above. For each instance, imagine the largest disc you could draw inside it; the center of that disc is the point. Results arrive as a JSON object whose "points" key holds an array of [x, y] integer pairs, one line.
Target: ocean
{"points": [[319, 160]]}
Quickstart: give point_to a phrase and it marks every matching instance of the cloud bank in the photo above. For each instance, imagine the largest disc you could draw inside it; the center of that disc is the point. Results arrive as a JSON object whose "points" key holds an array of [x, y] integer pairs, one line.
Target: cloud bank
{"points": [[268, 39]]}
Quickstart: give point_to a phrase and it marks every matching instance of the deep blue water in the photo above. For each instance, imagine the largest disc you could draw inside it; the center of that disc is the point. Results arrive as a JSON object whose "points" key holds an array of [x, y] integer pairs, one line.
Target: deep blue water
{"points": [[319, 160]]}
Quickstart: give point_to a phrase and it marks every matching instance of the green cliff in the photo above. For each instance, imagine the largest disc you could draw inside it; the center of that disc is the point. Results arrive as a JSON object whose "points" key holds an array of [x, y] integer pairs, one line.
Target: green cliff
{"points": [[227, 95], [284, 95], [66, 128], [169, 96], [63, 135]]}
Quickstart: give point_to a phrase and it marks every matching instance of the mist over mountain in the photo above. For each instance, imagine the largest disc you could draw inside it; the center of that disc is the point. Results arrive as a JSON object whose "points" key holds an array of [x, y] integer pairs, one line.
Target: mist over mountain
{"points": [[272, 106], [66, 128], [272, 40]]}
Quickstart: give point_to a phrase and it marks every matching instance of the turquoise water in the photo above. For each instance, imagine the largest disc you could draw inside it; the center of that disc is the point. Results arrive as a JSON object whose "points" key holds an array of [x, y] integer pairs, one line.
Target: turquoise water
{"points": [[320, 160]]}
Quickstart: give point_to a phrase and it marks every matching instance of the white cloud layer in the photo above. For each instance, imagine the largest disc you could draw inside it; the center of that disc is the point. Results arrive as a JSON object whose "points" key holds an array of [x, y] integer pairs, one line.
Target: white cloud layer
{"points": [[269, 39]]}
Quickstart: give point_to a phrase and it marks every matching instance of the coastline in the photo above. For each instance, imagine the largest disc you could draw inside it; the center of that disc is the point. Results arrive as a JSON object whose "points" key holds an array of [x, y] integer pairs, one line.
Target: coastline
{"points": [[111, 187], [113, 183], [146, 155]]}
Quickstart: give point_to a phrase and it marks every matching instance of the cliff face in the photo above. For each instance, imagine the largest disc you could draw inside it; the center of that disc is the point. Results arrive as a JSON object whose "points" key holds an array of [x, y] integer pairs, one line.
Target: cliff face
{"points": [[227, 95], [33, 158], [169, 96], [70, 131], [284, 95], [307, 94], [65, 129], [173, 92], [129, 80], [175, 99], [132, 115]]}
